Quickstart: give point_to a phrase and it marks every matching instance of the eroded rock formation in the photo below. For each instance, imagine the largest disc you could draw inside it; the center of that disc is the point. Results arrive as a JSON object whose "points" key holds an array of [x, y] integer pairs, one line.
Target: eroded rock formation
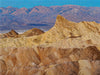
{"points": [[68, 48], [49, 61], [12, 33], [32, 32]]}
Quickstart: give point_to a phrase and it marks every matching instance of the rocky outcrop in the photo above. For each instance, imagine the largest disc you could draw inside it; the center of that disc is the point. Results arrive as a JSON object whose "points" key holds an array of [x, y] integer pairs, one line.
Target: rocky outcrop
{"points": [[12, 33], [68, 68], [18, 61], [57, 55], [32, 32], [82, 67]]}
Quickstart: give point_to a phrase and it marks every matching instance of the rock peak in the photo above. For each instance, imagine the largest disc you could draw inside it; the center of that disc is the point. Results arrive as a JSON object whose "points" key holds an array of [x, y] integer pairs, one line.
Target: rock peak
{"points": [[32, 32], [60, 18], [12, 33], [61, 21]]}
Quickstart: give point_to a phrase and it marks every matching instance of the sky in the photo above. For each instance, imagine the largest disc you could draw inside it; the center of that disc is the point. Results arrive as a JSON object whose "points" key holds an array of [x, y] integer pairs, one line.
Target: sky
{"points": [[32, 3]]}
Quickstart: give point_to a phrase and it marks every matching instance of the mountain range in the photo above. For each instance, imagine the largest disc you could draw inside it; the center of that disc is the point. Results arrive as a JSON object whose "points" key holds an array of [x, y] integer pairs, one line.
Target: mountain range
{"points": [[44, 17]]}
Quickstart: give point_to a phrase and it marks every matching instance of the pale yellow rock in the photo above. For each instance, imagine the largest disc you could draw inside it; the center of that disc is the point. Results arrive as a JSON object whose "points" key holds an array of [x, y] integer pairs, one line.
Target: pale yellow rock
{"points": [[85, 67], [89, 67]]}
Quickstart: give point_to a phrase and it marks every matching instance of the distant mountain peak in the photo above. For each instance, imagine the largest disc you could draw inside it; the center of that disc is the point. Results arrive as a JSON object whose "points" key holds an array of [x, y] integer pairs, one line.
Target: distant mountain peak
{"points": [[71, 5], [9, 7], [23, 8]]}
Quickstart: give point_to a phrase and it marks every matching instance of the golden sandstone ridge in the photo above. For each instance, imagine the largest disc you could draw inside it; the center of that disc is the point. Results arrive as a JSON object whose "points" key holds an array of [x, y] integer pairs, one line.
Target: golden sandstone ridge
{"points": [[68, 48]]}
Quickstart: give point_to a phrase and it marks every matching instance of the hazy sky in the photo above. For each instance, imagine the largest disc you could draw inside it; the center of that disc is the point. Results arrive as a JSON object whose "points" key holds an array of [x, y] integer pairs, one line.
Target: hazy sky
{"points": [[32, 3]]}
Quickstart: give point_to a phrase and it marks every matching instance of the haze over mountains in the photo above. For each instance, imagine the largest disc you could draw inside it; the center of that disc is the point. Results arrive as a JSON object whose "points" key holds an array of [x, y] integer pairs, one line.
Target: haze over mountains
{"points": [[44, 17]]}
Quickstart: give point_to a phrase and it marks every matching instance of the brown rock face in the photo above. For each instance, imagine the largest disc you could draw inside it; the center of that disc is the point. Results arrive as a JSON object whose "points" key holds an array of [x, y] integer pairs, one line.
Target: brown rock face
{"points": [[49, 61], [68, 68], [12, 33], [18, 61], [54, 55], [3, 67], [33, 32]]}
